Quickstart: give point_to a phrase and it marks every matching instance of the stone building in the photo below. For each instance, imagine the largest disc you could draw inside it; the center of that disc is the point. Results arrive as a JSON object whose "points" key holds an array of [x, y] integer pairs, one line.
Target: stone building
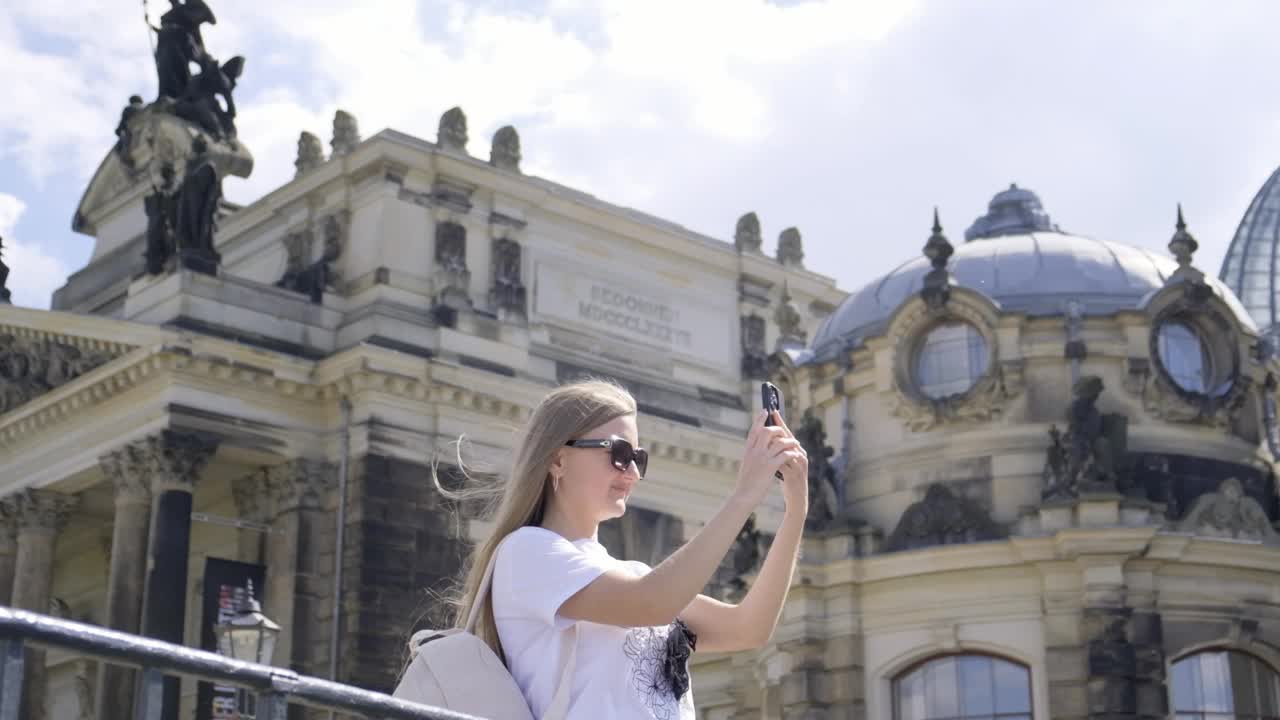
{"points": [[1053, 495], [176, 427]]}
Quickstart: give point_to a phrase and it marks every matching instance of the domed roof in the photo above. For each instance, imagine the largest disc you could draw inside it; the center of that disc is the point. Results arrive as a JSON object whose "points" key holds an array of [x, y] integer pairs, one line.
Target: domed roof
{"points": [[1032, 272], [1250, 267]]}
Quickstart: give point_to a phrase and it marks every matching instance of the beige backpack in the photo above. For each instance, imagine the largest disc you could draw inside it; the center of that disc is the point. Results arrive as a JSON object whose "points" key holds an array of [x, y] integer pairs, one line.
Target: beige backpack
{"points": [[455, 669]]}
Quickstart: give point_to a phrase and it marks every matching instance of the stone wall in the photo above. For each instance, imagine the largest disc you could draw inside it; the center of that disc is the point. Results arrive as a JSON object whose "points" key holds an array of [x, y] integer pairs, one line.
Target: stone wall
{"points": [[401, 551]]}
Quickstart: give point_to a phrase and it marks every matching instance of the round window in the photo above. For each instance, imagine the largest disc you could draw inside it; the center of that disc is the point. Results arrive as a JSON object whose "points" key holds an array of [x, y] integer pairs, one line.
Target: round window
{"points": [[1191, 362], [951, 359]]}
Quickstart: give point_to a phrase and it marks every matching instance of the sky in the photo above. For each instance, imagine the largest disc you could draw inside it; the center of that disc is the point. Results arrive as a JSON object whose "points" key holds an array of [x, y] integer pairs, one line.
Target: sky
{"points": [[848, 119]]}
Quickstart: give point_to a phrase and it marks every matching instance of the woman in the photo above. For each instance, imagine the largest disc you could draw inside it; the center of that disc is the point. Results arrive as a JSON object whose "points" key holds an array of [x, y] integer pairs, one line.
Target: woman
{"points": [[630, 627]]}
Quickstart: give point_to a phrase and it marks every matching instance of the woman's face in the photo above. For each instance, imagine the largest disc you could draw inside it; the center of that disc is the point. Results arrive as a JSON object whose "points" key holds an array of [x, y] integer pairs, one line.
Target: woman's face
{"points": [[590, 485]]}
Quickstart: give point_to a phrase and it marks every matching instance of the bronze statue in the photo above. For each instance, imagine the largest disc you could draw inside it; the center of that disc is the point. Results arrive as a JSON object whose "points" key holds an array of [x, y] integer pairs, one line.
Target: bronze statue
{"points": [[1087, 458], [179, 43], [124, 136], [4, 275], [160, 207], [196, 216], [199, 102]]}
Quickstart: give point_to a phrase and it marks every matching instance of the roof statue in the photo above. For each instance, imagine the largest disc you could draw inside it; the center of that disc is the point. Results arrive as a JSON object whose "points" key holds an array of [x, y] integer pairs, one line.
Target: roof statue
{"points": [[4, 275], [505, 151], [746, 236], [346, 133]]}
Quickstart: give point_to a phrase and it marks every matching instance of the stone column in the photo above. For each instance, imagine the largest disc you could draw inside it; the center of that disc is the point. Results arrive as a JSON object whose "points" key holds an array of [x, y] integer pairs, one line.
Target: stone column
{"points": [[129, 472], [176, 461], [294, 579], [8, 546], [41, 515]]}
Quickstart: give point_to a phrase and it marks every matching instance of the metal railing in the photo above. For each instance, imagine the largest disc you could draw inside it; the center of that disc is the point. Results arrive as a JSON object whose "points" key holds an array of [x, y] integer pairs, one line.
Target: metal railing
{"points": [[275, 688]]}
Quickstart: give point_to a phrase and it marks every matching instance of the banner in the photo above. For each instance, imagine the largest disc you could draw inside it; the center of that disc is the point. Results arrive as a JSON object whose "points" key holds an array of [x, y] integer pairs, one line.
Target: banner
{"points": [[225, 587]]}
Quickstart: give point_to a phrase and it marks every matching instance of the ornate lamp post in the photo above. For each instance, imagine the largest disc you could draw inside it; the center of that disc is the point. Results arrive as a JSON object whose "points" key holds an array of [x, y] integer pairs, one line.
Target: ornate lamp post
{"points": [[250, 636]]}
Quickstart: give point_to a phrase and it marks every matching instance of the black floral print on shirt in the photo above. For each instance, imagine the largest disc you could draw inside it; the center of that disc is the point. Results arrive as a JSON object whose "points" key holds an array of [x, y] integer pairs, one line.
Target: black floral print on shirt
{"points": [[660, 666]]}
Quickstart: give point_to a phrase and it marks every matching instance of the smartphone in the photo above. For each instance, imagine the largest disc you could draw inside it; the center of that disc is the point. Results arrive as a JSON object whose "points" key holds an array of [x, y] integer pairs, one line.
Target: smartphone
{"points": [[771, 398]]}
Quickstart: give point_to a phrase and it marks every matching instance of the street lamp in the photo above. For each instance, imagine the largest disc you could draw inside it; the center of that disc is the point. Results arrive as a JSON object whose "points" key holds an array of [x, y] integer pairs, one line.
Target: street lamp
{"points": [[249, 636]]}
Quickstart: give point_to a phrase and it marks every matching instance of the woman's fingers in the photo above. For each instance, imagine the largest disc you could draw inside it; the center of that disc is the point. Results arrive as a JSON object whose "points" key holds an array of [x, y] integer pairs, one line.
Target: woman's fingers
{"points": [[753, 436]]}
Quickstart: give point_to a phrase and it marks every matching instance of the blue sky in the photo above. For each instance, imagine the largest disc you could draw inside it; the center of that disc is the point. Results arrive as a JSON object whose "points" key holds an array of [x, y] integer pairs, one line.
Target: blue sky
{"points": [[848, 119]]}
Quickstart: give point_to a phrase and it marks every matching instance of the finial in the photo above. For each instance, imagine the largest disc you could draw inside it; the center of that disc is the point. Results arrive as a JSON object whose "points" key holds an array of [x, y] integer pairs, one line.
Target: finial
{"points": [[1182, 245], [938, 249], [937, 282], [746, 235], [791, 247]]}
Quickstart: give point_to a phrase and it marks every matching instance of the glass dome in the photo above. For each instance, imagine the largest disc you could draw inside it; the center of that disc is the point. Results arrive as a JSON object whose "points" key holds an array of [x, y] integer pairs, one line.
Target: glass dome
{"points": [[1251, 263]]}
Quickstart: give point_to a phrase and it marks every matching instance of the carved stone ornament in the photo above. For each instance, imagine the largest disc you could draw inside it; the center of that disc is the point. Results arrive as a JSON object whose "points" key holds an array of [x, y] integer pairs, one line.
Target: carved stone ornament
{"points": [[29, 368], [744, 559], [1229, 513], [252, 496], [346, 133], [791, 248], [942, 518], [178, 459], [43, 509], [300, 483], [755, 360], [504, 153], [508, 293], [314, 278], [937, 283], [985, 401], [453, 277], [791, 332], [129, 470], [746, 236], [452, 134], [310, 153]]}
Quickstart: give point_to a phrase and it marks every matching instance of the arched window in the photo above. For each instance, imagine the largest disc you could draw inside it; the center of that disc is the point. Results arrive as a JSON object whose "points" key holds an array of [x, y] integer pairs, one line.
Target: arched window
{"points": [[1224, 684], [951, 359], [957, 687]]}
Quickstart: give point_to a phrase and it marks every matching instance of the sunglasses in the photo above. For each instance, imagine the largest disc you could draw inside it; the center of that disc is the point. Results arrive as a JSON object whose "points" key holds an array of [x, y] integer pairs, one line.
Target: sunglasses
{"points": [[621, 453]]}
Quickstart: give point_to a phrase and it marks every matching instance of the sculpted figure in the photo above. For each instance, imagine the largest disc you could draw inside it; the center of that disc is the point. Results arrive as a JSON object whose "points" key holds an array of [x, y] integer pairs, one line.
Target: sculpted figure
{"points": [[199, 102], [179, 43]]}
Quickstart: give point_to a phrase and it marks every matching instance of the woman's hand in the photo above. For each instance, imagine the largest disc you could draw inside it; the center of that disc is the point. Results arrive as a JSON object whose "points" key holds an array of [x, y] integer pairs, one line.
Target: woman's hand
{"points": [[770, 450], [795, 473]]}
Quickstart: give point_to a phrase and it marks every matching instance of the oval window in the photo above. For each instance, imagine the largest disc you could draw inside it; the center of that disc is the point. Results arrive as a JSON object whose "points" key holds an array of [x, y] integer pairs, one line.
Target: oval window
{"points": [[951, 359]]}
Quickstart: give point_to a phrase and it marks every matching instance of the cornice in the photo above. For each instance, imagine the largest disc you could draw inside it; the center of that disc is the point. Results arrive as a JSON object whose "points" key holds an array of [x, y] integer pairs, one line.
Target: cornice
{"points": [[356, 371]]}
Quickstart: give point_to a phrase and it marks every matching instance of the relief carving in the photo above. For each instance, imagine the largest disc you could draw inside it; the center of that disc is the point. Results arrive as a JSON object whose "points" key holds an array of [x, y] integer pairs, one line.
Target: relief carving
{"points": [[942, 518], [314, 278], [1229, 513], [755, 361], [453, 277], [29, 368]]}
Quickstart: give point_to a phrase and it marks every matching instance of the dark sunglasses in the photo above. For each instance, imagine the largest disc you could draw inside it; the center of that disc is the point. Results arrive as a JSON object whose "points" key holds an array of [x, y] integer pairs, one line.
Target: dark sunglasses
{"points": [[621, 453]]}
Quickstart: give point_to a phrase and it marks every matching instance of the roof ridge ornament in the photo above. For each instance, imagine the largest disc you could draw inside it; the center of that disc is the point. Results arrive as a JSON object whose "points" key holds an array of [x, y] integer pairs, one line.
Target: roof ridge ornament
{"points": [[938, 282]]}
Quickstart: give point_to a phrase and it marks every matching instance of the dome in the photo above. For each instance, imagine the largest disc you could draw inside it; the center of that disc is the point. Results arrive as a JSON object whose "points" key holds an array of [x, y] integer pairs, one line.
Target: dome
{"points": [[1250, 266], [1031, 272]]}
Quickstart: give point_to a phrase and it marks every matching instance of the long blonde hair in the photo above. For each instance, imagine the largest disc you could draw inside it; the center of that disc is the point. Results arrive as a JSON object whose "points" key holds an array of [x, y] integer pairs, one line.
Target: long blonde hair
{"points": [[521, 498]]}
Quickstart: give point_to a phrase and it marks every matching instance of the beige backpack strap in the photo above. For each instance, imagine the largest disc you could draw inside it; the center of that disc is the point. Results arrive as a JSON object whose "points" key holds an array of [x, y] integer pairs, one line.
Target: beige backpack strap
{"points": [[473, 615], [559, 706]]}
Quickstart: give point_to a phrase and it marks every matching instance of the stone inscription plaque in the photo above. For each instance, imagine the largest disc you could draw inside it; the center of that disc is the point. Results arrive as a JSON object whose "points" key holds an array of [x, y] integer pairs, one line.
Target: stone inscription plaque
{"points": [[646, 316]]}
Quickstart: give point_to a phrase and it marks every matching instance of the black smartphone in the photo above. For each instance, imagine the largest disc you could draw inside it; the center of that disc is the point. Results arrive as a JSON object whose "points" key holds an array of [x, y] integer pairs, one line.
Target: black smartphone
{"points": [[771, 398]]}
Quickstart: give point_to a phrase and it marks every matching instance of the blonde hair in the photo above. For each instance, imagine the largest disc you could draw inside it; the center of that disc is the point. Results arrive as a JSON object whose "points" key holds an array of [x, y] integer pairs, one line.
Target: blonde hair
{"points": [[521, 498]]}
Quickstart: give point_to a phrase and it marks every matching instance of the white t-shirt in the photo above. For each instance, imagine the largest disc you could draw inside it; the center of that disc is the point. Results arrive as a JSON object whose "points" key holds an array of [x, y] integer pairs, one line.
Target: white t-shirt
{"points": [[617, 672]]}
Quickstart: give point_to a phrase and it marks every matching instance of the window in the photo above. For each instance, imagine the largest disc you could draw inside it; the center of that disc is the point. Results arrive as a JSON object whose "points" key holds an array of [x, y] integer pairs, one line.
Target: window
{"points": [[950, 360], [1224, 685], [963, 686], [1184, 356]]}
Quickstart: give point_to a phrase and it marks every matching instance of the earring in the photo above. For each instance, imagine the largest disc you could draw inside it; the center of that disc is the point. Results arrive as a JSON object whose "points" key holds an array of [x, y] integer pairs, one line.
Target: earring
{"points": [[555, 483]]}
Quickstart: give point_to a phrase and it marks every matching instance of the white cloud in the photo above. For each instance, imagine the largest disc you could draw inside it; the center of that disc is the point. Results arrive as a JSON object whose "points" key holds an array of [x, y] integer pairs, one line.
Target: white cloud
{"points": [[33, 274]]}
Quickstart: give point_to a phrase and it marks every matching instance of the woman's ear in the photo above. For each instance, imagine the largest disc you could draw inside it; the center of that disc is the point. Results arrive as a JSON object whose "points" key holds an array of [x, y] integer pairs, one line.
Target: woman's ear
{"points": [[556, 468]]}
